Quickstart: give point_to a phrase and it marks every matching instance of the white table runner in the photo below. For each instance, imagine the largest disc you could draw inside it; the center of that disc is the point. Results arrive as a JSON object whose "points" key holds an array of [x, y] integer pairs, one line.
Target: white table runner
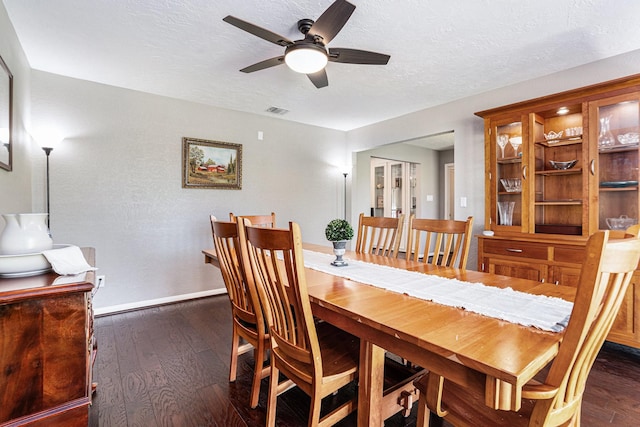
{"points": [[540, 311]]}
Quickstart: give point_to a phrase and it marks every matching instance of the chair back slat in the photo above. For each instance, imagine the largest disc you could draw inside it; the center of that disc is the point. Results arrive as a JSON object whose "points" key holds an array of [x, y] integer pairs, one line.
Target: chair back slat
{"points": [[267, 221], [439, 242], [379, 235]]}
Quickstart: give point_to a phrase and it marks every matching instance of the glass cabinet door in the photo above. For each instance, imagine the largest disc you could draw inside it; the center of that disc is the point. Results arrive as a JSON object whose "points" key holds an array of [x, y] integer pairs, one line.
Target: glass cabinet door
{"points": [[413, 186], [397, 189], [508, 183], [388, 192], [560, 185], [616, 134], [378, 190]]}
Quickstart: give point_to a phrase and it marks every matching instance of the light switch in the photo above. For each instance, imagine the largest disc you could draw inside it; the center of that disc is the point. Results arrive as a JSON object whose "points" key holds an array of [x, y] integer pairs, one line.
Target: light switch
{"points": [[429, 197], [463, 202], [260, 135]]}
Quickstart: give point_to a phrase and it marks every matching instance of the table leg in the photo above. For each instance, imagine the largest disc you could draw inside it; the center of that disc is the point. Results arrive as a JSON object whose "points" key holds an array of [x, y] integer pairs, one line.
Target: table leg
{"points": [[502, 395], [371, 383]]}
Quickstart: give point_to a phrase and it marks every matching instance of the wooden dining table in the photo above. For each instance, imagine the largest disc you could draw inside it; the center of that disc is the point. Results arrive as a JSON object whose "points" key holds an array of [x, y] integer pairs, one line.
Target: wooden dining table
{"points": [[458, 344]]}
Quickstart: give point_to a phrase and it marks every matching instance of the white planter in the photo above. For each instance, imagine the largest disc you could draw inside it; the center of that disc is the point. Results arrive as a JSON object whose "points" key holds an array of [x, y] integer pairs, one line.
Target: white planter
{"points": [[339, 248], [25, 233]]}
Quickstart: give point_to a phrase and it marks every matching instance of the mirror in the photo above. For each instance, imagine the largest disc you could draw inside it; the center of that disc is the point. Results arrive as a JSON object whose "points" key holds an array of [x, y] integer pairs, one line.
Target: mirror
{"points": [[6, 101]]}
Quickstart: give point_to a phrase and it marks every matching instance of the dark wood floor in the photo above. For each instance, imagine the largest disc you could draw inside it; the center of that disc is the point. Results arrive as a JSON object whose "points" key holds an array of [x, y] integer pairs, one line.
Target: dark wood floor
{"points": [[168, 366]]}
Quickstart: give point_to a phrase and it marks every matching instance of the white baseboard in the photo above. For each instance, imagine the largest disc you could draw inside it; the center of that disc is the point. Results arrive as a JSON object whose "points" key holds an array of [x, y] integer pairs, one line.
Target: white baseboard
{"points": [[159, 301]]}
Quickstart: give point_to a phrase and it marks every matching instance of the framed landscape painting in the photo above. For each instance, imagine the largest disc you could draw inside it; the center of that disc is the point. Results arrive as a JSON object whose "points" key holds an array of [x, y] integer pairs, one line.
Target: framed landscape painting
{"points": [[211, 164]]}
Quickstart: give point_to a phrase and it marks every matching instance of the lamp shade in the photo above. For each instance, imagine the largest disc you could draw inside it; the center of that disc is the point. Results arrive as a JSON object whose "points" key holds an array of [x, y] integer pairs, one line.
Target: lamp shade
{"points": [[306, 58], [49, 138]]}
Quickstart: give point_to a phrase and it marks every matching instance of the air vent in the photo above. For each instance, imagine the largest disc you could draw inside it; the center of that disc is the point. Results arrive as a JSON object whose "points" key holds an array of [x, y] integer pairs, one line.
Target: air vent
{"points": [[277, 110]]}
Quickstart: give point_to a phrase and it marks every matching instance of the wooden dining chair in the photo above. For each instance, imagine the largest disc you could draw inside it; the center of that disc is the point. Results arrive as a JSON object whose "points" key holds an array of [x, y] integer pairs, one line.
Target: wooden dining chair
{"points": [[318, 357], [634, 230], [604, 278], [379, 235], [248, 320], [268, 221], [212, 219], [442, 242]]}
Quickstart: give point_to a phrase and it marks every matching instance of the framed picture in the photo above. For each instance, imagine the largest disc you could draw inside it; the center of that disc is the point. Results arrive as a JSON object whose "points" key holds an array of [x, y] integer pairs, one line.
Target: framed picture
{"points": [[211, 164]]}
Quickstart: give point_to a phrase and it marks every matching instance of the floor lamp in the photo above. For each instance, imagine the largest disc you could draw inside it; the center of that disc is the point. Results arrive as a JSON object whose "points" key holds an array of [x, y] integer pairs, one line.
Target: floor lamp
{"points": [[47, 151], [345, 194]]}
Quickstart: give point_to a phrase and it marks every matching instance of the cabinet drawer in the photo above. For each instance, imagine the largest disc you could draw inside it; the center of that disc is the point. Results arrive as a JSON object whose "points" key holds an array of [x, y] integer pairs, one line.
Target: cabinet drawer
{"points": [[516, 249], [569, 255]]}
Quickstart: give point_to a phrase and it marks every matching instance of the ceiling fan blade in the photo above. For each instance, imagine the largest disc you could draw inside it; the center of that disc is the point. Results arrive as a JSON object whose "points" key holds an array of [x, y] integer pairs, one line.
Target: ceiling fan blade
{"points": [[355, 56], [332, 20], [319, 79], [267, 63], [263, 33]]}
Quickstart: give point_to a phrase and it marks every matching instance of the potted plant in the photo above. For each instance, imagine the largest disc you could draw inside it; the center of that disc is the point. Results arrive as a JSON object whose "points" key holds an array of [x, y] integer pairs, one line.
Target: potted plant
{"points": [[338, 232]]}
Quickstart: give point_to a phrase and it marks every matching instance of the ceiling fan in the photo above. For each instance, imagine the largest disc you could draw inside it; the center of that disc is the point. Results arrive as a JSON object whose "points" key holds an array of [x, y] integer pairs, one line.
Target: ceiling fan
{"points": [[310, 54]]}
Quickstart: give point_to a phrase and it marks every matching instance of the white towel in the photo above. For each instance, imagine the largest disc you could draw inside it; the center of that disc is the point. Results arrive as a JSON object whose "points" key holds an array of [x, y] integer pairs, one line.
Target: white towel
{"points": [[67, 261], [74, 278]]}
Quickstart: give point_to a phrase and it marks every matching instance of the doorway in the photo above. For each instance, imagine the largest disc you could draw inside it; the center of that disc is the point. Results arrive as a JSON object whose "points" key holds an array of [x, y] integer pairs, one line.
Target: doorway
{"points": [[431, 152]]}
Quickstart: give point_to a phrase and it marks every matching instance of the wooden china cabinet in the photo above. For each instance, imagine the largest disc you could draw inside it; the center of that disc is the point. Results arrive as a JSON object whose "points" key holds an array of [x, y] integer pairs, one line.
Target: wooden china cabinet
{"points": [[558, 169], [47, 349]]}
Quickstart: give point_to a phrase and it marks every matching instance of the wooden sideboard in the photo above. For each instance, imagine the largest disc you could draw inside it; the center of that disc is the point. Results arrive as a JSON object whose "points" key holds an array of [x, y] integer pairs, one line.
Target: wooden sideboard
{"points": [[556, 260], [47, 349], [542, 212]]}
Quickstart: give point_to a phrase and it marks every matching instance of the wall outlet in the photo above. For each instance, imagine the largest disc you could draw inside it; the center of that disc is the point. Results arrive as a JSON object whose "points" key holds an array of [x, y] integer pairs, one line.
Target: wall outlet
{"points": [[102, 280]]}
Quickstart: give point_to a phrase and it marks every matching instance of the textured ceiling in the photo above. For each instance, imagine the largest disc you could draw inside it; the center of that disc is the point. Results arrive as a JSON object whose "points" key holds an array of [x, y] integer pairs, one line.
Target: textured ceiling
{"points": [[441, 50]]}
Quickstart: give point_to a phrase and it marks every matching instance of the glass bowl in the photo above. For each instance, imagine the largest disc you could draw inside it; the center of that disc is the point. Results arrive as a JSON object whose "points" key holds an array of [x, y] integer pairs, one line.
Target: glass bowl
{"points": [[621, 223], [563, 165], [511, 185], [553, 135], [629, 138]]}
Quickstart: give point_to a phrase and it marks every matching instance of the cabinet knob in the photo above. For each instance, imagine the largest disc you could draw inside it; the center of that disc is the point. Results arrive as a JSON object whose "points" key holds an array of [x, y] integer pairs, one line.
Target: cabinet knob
{"points": [[514, 250]]}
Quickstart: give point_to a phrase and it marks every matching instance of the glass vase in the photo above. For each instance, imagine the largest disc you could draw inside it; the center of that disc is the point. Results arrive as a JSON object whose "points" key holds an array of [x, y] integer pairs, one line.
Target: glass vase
{"points": [[505, 210], [605, 137]]}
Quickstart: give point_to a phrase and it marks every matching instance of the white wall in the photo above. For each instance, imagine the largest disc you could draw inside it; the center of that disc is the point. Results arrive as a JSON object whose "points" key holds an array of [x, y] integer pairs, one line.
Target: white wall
{"points": [[15, 186], [116, 182]]}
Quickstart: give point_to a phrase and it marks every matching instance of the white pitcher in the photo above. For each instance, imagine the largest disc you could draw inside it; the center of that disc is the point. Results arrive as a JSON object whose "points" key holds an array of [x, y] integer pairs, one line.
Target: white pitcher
{"points": [[25, 234]]}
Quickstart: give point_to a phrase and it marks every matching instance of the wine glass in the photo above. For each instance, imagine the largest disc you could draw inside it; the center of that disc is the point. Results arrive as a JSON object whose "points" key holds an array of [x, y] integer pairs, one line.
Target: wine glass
{"points": [[515, 142], [502, 142]]}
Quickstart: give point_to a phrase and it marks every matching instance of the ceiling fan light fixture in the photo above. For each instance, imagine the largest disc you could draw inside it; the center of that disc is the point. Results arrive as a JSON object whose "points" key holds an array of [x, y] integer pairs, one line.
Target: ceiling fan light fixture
{"points": [[306, 58]]}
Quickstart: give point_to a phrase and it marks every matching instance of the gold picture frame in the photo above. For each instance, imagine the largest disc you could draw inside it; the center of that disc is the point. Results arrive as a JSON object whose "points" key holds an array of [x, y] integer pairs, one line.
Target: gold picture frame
{"points": [[211, 164]]}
